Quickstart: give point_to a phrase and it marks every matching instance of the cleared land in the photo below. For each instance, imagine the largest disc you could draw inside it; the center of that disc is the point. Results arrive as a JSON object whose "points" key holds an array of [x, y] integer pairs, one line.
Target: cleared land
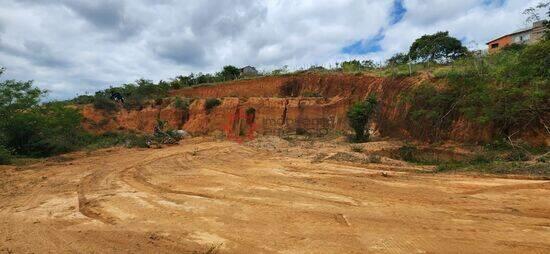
{"points": [[262, 198]]}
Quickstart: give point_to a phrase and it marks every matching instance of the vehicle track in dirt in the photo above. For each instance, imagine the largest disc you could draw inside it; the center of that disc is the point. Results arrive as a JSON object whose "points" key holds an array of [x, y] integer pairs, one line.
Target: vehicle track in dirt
{"points": [[204, 193]]}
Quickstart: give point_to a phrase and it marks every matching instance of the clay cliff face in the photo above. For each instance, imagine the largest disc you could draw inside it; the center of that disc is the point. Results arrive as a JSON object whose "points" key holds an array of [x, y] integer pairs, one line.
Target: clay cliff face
{"points": [[273, 105]]}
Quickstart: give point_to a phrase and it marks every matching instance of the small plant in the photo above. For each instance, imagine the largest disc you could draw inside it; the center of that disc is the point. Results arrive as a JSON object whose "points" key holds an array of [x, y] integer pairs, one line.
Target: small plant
{"points": [[182, 104], [359, 115], [357, 148], [211, 103]]}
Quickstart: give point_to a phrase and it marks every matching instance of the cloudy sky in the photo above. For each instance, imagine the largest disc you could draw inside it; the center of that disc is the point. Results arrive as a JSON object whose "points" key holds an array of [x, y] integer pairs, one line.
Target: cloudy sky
{"points": [[75, 46]]}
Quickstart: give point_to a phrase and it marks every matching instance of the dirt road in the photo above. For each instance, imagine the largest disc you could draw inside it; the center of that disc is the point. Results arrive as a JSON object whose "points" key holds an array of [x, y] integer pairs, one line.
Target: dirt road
{"points": [[236, 199]]}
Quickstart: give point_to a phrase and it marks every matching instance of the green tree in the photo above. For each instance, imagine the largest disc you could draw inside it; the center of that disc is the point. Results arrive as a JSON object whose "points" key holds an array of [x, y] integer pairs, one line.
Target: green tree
{"points": [[438, 47], [398, 59], [230, 72], [30, 129], [532, 14], [359, 115], [356, 65]]}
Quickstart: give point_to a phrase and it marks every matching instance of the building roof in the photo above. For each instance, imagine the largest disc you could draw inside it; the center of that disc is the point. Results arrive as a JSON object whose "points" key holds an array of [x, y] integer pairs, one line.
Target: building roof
{"points": [[510, 34]]}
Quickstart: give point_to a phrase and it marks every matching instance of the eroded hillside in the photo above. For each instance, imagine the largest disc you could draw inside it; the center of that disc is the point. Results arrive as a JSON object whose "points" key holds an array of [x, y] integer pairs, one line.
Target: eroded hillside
{"points": [[311, 103]]}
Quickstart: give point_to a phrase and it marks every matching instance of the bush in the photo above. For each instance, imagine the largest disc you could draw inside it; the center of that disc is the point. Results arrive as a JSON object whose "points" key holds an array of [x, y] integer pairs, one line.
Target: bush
{"points": [[5, 156], [359, 115], [357, 148], [373, 158], [44, 131], [104, 103], [517, 155], [507, 90], [211, 103], [407, 153], [110, 139], [250, 111]]}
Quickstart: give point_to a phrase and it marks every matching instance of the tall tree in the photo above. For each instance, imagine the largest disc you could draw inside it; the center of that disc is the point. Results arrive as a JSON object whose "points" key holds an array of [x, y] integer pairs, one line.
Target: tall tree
{"points": [[438, 47], [230, 72]]}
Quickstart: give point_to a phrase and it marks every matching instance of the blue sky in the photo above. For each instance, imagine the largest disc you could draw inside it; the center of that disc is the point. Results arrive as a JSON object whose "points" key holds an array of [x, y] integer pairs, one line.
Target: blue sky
{"points": [[72, 47]]}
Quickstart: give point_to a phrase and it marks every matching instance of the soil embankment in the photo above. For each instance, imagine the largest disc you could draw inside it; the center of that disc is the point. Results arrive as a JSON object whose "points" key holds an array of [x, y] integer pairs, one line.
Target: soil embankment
{"points": [[308, 103]]}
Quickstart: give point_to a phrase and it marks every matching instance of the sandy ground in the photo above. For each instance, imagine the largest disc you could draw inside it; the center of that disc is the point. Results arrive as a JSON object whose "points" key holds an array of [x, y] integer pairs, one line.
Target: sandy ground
{"points": [[234, 198]]}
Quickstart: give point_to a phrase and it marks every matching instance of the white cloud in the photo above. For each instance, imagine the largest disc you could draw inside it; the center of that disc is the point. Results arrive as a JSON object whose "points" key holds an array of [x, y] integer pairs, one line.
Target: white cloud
{"points": [[73, 46]]}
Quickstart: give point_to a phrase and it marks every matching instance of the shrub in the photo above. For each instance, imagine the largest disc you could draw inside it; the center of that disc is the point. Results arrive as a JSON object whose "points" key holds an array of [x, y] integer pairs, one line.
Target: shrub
{"points": [[517, 155], [357, 148], [84, 99], [301, 131], [110, 139], [359, 115], [211, 103], [250, 111], [104, 103], [407, 153], [373, 158], [5, 156]]}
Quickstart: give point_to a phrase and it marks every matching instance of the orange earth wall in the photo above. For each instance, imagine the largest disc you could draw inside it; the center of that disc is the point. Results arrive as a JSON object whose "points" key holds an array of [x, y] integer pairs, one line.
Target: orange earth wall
{"points": [[280, 107]]}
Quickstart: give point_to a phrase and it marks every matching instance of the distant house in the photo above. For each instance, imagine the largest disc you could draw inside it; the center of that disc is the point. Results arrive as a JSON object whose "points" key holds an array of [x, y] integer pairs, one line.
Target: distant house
{"points": [[249, 71], [522, 36]]}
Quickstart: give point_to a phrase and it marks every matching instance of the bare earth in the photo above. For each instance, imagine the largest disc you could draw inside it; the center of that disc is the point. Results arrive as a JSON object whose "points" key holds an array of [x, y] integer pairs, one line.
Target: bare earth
{"points": [[229, 198]]}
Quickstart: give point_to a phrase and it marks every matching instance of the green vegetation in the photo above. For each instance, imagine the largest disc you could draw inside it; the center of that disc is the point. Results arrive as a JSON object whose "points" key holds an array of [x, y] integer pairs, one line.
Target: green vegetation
{"points": [[31, 129], [438, 47], [182, 104], [211, 103], [359, 115], [357, 66], [508, 90], [104, 103], [5, 156], [110, 139], [250, 111]]}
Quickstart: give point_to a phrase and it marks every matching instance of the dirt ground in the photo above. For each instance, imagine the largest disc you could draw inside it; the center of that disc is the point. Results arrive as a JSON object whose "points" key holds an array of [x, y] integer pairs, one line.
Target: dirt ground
{"points": [[208, 196]]}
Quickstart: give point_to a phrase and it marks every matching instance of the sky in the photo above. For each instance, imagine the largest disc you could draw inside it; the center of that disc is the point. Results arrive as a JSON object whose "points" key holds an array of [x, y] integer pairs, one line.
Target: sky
{"points": [[74, 47]]}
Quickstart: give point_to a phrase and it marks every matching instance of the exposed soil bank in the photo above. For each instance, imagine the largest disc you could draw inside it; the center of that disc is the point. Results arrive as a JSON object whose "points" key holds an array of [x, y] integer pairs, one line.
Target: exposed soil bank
{"points": [[280, 106]]}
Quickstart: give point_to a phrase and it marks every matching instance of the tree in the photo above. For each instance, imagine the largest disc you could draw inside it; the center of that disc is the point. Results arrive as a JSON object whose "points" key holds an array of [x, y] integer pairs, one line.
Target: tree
{"points": [[28, 128], [359, 115], [438, 47], [398, 59], [533, 16], [356, 65], [230, 72]]}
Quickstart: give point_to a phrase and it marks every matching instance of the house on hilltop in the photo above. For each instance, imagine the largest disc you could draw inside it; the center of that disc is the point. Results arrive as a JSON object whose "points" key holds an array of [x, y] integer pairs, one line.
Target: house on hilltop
{"points": [[522, 36], [248, 71]]}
